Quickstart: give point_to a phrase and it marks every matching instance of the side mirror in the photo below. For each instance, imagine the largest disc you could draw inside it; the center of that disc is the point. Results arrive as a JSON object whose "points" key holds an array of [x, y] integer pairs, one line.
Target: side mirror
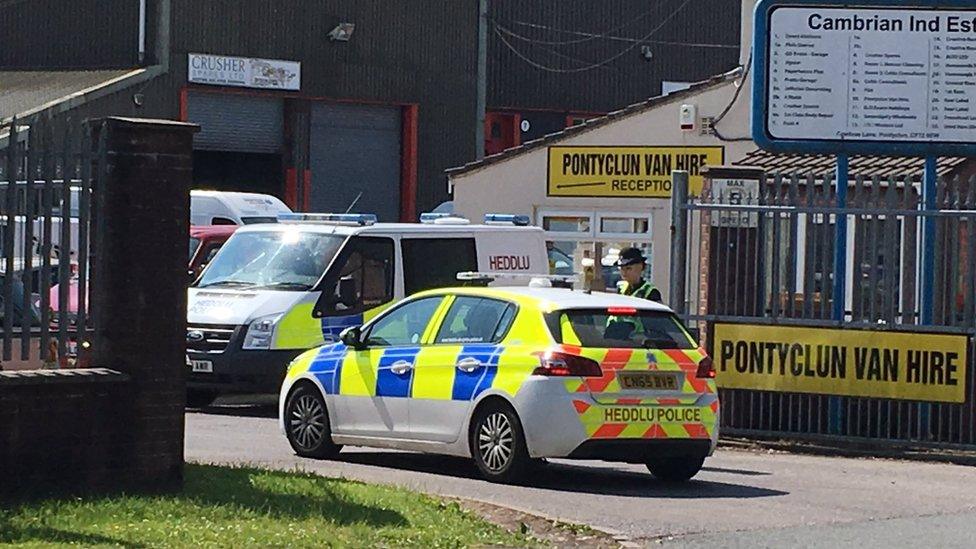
{"points": [[348, 295], [192, 274], [352, 337]]}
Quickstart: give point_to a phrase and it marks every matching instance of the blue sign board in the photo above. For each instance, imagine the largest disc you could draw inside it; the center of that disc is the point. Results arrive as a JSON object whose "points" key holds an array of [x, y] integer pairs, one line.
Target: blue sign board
{"points": [[875, 77]]}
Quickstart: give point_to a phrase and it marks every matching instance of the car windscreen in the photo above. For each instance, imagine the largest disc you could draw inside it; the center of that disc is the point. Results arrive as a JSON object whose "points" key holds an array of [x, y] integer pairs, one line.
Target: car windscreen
{"points": [[290, 260], [622, 327]]}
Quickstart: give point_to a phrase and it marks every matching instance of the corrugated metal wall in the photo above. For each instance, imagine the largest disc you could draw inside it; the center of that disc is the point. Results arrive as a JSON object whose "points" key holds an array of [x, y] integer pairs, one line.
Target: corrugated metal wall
{"points": [[413, 51], [538, 49], [60, 34]]}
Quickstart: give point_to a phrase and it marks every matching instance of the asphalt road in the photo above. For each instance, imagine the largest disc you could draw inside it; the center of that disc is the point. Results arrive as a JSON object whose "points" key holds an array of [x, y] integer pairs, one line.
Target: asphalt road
{"points": [[740, 499]]}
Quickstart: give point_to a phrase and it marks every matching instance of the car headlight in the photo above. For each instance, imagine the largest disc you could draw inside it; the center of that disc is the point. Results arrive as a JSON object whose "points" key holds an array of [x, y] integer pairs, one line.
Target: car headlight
{"points": [[260, 332]]}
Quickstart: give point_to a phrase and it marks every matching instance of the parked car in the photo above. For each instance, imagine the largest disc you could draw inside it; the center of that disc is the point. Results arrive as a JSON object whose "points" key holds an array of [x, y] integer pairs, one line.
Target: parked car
{"points": [[508, 375]]}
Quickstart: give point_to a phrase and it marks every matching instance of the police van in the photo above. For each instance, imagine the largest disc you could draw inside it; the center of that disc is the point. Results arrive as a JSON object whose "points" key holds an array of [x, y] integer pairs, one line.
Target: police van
{"points": [[276, 290]]}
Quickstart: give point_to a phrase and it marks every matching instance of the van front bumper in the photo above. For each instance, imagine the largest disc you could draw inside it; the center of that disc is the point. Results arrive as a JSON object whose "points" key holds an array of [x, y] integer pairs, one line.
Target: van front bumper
{"points": [[239, 371]]}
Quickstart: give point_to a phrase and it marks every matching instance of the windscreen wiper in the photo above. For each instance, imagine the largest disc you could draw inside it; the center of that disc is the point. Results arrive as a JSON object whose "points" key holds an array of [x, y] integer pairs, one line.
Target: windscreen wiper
{"points": [[286, 285], [228, 283]]}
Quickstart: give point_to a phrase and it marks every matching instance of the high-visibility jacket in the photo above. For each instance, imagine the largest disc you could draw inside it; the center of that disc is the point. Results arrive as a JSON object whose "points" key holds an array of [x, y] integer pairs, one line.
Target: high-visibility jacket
{"points": [[645, 290]]}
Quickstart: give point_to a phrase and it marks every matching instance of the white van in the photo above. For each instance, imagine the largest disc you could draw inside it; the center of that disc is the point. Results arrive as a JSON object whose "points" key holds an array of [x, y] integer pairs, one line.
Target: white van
{"points": [[273, 291], [232, 208]]}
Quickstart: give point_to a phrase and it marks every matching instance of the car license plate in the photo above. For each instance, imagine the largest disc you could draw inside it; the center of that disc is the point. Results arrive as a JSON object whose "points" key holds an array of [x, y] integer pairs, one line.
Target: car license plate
{"points": [[647, 380], [202, 366]]}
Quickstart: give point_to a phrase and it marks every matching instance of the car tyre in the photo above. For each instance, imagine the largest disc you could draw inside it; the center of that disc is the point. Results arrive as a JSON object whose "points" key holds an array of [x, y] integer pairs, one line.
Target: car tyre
{"points": [[200, 398], [307, 424], [498, 444], [675, 468]]}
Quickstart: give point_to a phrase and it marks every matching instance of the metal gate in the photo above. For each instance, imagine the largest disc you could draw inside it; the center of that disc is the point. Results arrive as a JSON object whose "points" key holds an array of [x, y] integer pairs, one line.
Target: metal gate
{"points": [[47, 209], [355, 156], [237, 123], [765, 253]]}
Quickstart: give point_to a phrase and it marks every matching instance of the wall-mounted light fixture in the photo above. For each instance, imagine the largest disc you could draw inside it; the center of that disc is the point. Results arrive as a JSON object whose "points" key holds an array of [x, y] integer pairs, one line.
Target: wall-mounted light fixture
{"points": [[342, 32]]}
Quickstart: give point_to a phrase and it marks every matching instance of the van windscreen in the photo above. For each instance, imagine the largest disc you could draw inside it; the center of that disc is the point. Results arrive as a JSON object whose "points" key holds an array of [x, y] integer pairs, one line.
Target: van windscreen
{"points": [[621, 327], [289, 260]]}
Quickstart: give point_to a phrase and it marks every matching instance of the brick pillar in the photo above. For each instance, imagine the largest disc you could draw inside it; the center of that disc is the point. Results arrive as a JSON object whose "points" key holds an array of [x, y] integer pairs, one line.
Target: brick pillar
{"points": [[138, 295]]}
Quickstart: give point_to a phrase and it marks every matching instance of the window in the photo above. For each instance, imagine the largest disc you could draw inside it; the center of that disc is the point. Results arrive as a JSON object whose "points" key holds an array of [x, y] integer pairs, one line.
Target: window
{"points": [[285, 260], [404, 325], [624, 329], [366, 265], [430, 263], [476, 320]]}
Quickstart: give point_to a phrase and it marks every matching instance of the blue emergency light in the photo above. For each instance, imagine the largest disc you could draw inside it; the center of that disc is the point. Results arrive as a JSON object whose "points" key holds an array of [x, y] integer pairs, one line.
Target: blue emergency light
{"points": [[329, 218], [507, 219]]}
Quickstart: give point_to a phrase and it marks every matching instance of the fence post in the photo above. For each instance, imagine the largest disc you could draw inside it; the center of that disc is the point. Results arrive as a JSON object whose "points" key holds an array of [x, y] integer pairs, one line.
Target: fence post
{"points": [[679, 241], [138, 295]]}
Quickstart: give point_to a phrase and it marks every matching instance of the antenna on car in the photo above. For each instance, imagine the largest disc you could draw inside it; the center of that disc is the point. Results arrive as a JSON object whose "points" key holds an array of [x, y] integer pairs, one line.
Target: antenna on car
{"points": [[356, 200]]}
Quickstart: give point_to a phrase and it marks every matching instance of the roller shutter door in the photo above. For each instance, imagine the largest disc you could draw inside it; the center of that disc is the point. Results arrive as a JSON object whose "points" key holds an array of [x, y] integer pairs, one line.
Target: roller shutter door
{"points": [[236, 123], [356, 149]]}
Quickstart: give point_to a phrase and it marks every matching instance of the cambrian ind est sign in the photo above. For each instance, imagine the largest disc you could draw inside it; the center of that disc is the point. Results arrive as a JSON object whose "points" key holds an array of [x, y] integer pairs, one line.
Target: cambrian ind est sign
{"points": [[626, 172], [860, 363]]}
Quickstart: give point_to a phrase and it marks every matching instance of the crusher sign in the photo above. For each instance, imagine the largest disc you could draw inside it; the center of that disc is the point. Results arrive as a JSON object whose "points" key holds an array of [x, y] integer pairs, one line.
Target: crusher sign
{"points": [[626, 172], [898, 365]]}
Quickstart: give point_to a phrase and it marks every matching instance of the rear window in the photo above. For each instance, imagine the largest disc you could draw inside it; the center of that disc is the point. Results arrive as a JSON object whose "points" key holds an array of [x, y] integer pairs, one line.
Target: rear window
{"points": [[256, 220], [618, 328]]}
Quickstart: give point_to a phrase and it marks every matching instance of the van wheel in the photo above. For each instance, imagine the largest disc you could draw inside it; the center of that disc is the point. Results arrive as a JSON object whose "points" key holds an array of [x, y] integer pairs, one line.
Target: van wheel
{"points": [[199, 398], [307, 424], [676, 468], [498, 444]]}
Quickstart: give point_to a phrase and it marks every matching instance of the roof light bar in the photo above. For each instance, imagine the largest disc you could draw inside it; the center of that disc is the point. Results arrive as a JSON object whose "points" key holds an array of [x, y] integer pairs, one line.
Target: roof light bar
{"points": [[507, 219], [442, 218], [328, 218], [556, 281]]}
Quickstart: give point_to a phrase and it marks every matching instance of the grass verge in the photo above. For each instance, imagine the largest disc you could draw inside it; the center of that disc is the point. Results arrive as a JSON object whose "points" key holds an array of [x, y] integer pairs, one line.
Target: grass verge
{"points": [[242, 507]]}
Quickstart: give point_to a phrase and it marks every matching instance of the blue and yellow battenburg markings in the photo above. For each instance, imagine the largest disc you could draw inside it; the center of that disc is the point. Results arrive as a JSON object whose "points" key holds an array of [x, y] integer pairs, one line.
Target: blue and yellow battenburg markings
{"points": [[389, 383], [341, 372], [468, 385], [332, 326], [327, 366]]}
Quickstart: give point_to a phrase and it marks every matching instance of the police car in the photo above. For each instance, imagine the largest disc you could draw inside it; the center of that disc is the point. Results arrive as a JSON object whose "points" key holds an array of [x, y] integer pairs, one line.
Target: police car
{"points": [[507, 375]]}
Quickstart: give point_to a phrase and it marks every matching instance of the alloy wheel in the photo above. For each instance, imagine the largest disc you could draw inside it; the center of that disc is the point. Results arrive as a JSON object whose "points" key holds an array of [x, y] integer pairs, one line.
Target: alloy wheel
{"points": [[307, 421], [496, 441]]}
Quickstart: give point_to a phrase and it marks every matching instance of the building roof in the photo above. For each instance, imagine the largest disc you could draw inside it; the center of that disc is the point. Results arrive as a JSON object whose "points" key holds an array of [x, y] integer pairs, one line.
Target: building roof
{"points": [[866, 166], [24, 93], [600, 121]]}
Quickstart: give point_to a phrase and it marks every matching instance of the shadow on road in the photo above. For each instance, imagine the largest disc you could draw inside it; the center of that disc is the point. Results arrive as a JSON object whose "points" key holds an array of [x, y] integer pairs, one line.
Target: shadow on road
{"points": [[569, 478], [239, 410]]}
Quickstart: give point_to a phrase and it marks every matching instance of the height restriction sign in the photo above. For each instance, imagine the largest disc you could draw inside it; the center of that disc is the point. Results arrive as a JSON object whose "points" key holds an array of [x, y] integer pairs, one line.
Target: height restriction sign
{"points": [[872, 79]]}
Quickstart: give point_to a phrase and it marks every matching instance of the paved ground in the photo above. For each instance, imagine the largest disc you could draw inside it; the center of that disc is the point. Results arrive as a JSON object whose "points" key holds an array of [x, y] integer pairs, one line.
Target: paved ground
{"points": [[741, 499]]}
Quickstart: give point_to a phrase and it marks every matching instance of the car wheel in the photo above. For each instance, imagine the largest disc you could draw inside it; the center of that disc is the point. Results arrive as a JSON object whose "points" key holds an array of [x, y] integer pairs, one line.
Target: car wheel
{"points": [[198, 398], [676, 468], [307, 424], [498, 444]]}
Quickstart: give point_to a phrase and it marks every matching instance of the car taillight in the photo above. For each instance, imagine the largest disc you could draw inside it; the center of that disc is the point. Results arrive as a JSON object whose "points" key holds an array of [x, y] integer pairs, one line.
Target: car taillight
{"points": [[706, 369], [554, 363]]}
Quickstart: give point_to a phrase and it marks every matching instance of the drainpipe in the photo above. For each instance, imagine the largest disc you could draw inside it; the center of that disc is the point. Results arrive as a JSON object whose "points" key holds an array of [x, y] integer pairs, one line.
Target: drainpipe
{"points": [[142, 31]]}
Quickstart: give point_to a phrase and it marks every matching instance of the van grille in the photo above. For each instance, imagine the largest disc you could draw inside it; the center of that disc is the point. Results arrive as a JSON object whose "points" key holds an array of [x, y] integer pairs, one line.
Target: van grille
{"points": [[209, 338]]}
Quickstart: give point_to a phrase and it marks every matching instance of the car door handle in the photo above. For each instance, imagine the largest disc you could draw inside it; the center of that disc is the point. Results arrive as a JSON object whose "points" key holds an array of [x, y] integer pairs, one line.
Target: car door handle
{"points": [[401, 367], [468, 365]]}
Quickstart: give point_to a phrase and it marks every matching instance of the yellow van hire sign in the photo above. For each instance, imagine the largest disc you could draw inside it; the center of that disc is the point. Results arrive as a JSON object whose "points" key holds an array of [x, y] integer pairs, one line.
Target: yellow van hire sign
{"points": [[861, 363], [626, 172]]}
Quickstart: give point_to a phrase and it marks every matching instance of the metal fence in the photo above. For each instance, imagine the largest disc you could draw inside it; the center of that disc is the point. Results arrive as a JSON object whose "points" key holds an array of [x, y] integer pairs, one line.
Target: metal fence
{"points": [[47, 179], [765, 253]]}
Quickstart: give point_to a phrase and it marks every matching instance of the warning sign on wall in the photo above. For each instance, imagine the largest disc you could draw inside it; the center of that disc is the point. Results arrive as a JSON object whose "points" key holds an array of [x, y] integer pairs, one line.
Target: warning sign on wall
{"points": [[626, 172], [899, 365]]}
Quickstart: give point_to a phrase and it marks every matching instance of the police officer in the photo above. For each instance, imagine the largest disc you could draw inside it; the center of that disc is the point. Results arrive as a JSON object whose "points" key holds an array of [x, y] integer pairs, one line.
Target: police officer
{"points": [[632, 264]]}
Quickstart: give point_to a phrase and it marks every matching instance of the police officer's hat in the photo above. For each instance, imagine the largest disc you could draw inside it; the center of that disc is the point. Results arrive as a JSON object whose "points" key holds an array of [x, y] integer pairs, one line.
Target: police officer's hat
{"points": [[630, 256]]}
